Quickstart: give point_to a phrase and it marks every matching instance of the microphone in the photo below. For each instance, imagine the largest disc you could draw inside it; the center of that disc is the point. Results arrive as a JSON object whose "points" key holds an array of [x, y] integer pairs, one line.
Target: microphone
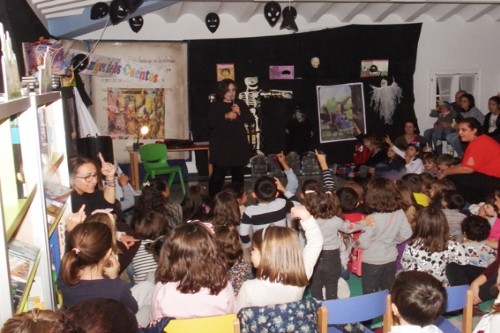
{"points": [[232, 99]]}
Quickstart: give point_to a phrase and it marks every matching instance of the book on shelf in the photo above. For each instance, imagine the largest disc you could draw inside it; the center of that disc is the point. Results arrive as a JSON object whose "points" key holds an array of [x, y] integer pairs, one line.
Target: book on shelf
{"points": [[23, 249], [19, 268], [44, 139], [17, 290], [56, 196]]}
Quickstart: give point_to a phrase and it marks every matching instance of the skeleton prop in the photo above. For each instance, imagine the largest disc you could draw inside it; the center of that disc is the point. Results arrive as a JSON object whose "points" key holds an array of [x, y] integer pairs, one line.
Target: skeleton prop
{"points": [[385, 99]]}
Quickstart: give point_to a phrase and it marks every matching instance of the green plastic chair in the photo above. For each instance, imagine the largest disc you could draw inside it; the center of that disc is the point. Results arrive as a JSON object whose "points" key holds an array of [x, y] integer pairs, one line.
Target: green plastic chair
{"points": [[154, 159]]}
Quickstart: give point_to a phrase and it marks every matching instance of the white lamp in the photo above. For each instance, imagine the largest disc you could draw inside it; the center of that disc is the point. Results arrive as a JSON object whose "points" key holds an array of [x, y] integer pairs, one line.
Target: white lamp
{"points": [[144, 130]]}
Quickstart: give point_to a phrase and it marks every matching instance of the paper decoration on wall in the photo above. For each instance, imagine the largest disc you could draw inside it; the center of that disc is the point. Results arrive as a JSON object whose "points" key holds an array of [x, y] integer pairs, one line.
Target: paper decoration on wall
{"points": [[385, 99], [281, 72], [124, 69], [341, 111], [99, 10], [272, 12], [371, 68], [225, 71], [136, 23], [212, 21], [315, 62], [11, 80]]}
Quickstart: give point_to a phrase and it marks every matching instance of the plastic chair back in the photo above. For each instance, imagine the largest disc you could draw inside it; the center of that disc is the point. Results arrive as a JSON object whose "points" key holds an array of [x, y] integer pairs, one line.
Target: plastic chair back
{"points": [[459, 298], [216, 324], [154, 155], [358, 309]]}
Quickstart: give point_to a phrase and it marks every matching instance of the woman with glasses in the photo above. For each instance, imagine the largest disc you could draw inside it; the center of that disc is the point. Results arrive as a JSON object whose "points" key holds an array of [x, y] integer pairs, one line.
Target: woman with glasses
{"points": [[86, 179]]}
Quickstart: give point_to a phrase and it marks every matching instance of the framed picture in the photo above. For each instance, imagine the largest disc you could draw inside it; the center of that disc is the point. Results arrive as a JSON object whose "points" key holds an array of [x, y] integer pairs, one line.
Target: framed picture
{"points": [[225, 71], [341, 112], [281, 72], [371, 68]]}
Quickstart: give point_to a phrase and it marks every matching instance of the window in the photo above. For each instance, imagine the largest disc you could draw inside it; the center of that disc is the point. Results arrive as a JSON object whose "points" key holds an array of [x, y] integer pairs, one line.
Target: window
{"points": [[444, 85]]}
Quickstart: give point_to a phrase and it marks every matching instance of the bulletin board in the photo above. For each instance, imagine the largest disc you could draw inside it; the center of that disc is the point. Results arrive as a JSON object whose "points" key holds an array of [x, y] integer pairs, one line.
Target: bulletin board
{"points": [[123, 106]]}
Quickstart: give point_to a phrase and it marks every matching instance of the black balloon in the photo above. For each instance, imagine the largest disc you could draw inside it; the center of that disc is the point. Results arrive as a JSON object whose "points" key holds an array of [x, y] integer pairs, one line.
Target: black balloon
{"points": [[136, 23], [118, 11], [132, 5], [79, 62], [272, 12], [99, 10], [212, 21]]}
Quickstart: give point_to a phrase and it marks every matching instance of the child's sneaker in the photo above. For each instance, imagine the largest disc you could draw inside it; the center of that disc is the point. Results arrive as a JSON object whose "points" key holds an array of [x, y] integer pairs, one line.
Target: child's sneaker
{"points": [[439, 142]]}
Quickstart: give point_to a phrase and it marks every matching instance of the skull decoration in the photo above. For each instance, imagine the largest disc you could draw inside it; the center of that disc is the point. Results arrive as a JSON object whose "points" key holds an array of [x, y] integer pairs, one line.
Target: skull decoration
{"points": [[315, 62], [212, 21], [272, 13], [136, 23]]}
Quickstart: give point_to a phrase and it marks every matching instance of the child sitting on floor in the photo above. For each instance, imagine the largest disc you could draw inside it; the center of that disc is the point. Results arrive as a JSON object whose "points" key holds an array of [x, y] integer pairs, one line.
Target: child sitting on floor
{"points": [[418, 299], [452, 203]]}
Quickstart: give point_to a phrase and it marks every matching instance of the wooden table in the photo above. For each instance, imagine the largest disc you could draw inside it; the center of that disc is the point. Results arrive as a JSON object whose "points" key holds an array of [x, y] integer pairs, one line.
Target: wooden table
{"points": [[134, 161]]}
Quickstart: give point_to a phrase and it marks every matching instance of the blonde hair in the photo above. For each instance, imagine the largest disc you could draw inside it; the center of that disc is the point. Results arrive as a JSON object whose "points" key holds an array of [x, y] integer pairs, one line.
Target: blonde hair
{"points": [[281, 256]]}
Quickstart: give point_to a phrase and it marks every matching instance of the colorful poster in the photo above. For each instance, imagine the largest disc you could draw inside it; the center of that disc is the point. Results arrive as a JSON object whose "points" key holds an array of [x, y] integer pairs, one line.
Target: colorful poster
{"points": [[34, 54], [225, 71], [371, 68], [131, 108], [341, 112]]}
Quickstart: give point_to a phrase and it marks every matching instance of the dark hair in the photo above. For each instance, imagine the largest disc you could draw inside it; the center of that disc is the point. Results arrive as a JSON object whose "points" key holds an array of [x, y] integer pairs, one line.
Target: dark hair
{"points": [[376, 140], [47, 321], [152, 225], [440, 186], [427, 179], [236, 188], [473, 123], [265, 189], [310, 185], [490, 200], [476, 228], [413, 181], [382, 196], [453, 199], [225, 210], [415, 145], [222, 88], [189, 257], [196, 204], [429, 157], [446, 159], [228, 243], [495, 99], [415, 124], [361, 181], [323, 204], [470, 98], [101, 315], [348, 199], [92, 241], [153, 199], [431, 231], [419, 297]]}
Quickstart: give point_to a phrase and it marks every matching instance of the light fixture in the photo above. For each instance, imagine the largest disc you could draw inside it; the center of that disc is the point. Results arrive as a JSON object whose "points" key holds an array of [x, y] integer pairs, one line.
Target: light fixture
{"points": [[289, 14], [144, 130]]}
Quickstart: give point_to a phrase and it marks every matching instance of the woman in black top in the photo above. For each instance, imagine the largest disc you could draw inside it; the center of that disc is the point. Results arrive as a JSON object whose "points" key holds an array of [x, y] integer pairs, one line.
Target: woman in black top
{"points": [[229, 147]]}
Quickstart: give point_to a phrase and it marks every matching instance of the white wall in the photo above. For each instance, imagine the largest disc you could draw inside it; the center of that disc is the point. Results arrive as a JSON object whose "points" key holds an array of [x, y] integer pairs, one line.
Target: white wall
{"points": [[450, 45]]}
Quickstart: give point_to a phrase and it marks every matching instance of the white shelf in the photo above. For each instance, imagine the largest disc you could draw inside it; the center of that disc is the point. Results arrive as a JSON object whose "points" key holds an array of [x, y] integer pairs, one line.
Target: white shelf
{"points": [[25, 219]]}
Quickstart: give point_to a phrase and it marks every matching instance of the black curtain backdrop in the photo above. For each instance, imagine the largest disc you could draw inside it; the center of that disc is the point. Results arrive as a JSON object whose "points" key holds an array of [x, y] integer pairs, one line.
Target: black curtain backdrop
{"points": [[340, 51]]}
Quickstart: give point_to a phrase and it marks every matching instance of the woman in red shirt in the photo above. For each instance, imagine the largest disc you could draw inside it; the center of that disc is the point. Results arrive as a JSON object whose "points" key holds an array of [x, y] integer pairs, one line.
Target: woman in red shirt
{"points": [[479, 174]]}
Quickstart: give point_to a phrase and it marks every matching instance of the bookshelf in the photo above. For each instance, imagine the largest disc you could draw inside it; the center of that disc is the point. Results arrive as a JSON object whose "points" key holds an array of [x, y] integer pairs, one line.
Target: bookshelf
{"points": [[24, 216]]}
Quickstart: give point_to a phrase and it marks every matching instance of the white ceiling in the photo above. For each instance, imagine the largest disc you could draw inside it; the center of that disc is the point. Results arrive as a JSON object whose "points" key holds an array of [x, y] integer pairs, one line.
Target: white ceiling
{"points": [[71, 18]]}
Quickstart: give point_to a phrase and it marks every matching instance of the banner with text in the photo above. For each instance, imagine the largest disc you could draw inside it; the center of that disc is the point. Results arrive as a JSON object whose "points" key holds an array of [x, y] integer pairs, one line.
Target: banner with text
{"points": [[126, 70]]}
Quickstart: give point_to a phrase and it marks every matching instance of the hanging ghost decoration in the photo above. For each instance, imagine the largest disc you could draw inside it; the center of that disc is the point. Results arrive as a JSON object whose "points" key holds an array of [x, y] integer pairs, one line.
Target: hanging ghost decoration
{"points": [[136, 23], [385, 99], [272, 12], [212, 21], [99, 10]]}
